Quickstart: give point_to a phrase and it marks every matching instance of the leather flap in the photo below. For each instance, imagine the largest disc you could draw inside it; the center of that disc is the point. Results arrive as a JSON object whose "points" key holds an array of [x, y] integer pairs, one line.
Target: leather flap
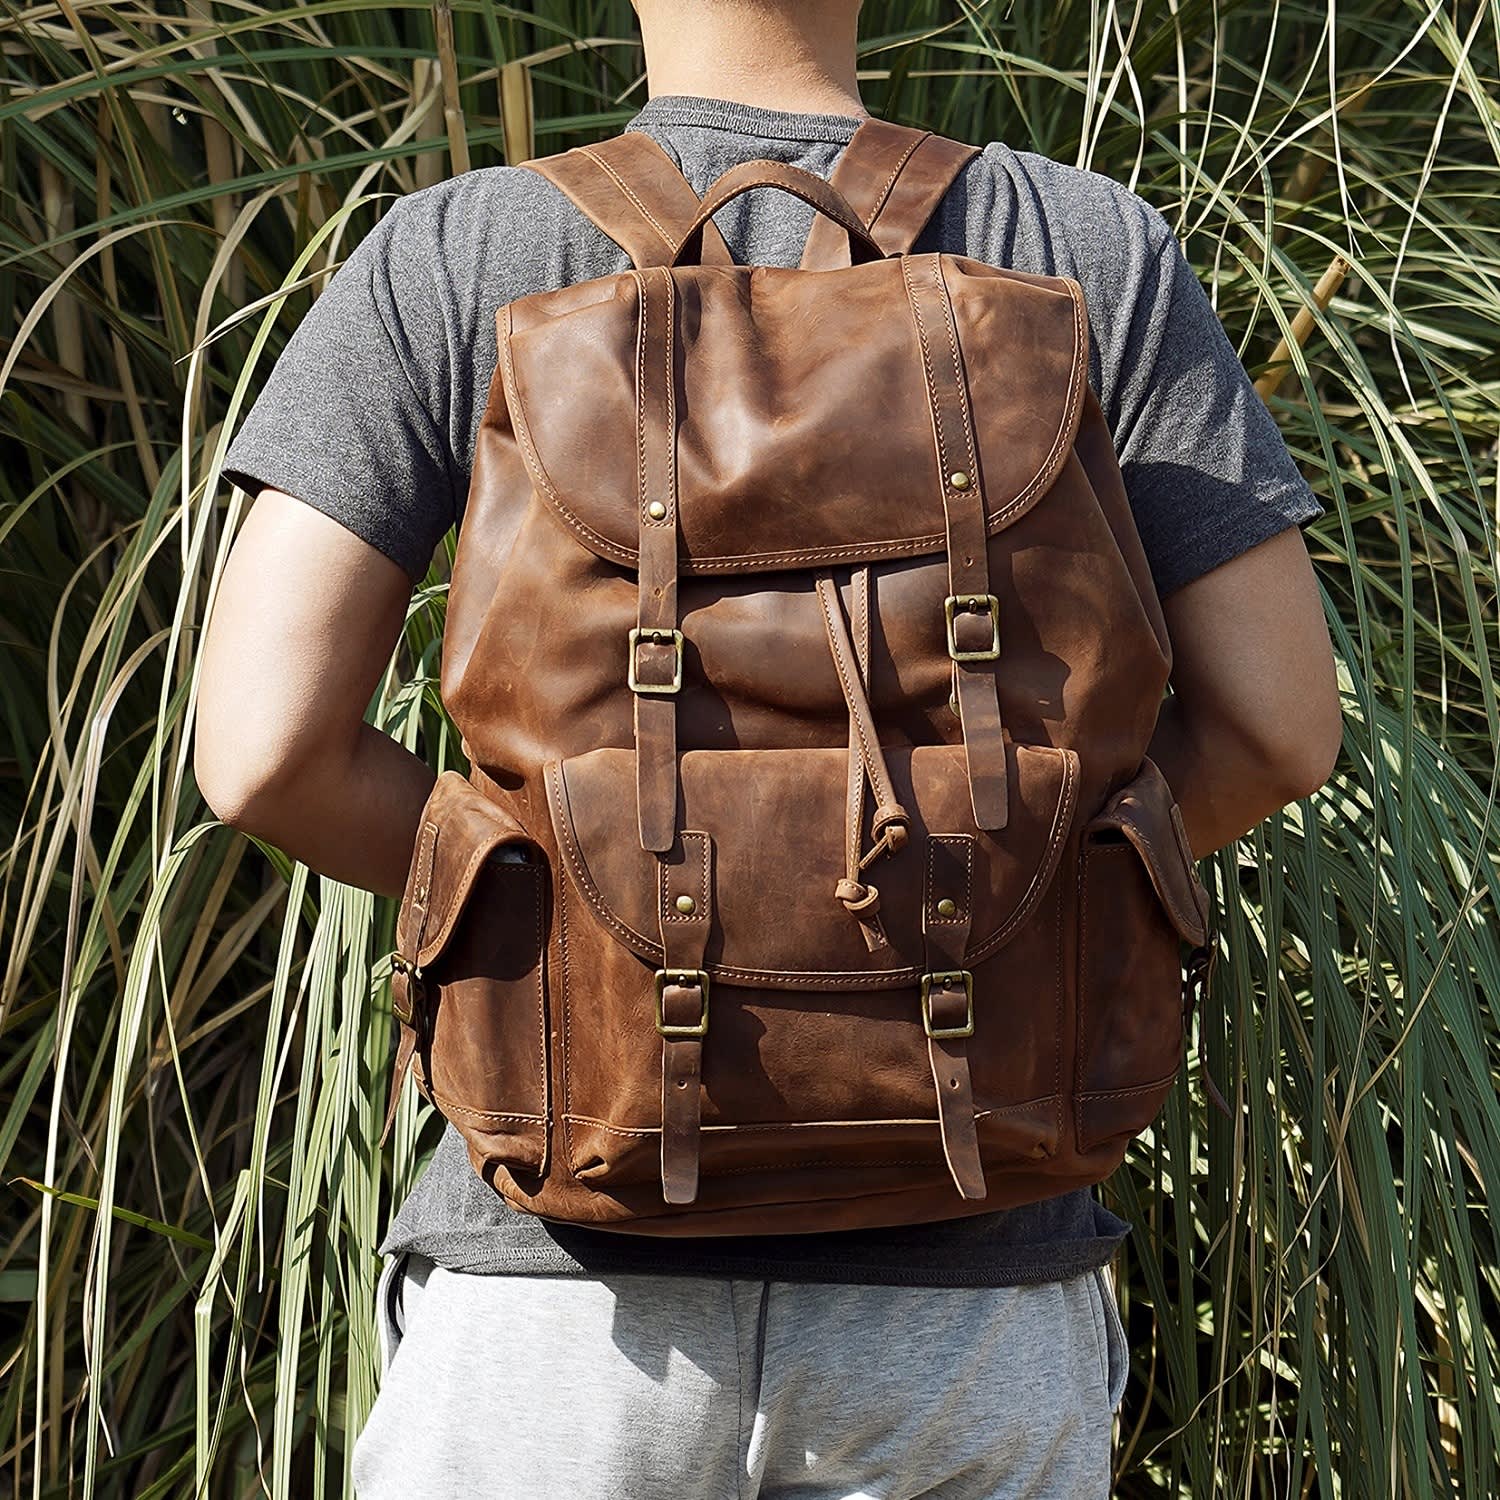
{"points": [[776, 818], [804, 430], [459, 830], [1145, 811]]}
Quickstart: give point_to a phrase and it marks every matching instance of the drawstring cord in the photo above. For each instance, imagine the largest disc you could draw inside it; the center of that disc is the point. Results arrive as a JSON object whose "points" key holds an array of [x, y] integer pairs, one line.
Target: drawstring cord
{"points": [[890, 824]]}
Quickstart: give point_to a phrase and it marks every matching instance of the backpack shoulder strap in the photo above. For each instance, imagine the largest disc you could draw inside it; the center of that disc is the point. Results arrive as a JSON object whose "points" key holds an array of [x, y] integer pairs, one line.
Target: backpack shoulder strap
{"points": [[894, 178], [631, 189]]}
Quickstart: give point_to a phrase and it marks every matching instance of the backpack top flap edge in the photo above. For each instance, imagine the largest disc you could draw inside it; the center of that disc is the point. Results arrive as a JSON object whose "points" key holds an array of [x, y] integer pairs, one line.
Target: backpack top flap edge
{"points": [[804, 432]]}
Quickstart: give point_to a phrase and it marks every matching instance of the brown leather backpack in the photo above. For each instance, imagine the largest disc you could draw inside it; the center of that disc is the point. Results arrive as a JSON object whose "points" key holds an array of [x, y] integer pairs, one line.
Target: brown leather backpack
{"points": [[811, 872]]}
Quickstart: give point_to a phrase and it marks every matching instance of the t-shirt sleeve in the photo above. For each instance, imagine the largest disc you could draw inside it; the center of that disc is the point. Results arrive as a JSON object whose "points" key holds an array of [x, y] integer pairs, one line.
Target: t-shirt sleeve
{"points": [[1205, 466], [352, 418]]}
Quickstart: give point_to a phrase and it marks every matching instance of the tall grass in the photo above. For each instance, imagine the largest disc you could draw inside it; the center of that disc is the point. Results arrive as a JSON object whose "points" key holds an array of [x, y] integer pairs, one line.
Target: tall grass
{"points": [[195, 1030]]}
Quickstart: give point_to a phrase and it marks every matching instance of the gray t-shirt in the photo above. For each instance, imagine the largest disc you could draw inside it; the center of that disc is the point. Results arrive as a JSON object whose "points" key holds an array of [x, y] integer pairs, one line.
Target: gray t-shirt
{"points": [[371, 415]]}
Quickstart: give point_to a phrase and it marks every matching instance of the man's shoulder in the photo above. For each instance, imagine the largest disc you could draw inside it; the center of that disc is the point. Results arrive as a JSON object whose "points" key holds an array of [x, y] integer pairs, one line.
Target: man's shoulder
{"points": [[1073, 199], [474, 205], [493, 232]]}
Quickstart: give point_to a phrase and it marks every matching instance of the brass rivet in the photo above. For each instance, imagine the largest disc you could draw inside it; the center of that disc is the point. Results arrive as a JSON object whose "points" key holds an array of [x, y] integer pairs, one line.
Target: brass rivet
{"points": [[947, 907], [656, 510], [959, 480], [686, 905]]}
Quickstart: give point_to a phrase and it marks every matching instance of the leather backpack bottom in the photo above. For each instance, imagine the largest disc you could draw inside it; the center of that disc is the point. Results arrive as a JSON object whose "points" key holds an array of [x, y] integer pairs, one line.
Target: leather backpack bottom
{"points": [[534, 1019]]}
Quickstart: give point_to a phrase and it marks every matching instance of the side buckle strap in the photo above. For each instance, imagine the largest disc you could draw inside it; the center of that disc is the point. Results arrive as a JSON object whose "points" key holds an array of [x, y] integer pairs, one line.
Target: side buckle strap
{"points": [[408, 985], [947, 1001], [1197, 978], [684, 912]]}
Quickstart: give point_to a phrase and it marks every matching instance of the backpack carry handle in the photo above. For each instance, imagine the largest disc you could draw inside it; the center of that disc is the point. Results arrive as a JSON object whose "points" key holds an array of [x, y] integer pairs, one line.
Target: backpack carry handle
{"points": [[804, 185]]}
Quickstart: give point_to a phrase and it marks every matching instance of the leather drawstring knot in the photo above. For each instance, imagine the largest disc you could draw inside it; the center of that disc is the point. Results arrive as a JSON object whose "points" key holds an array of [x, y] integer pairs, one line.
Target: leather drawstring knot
{"points": [[891, 826], [859, 900], [891, 823]]}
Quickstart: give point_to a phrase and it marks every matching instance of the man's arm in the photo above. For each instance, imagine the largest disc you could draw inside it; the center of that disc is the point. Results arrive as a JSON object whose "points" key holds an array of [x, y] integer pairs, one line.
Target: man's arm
{"points": [[1254, 720], [304, 624]]}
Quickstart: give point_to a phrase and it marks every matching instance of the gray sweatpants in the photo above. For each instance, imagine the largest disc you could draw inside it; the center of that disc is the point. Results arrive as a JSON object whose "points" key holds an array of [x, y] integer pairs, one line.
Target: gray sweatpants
{"points": [[638, 1386]]}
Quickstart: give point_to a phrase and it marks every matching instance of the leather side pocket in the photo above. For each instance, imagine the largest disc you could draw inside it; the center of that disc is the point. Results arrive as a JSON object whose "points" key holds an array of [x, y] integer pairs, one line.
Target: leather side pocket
{"points": [[1139, 900], [473, 923]]}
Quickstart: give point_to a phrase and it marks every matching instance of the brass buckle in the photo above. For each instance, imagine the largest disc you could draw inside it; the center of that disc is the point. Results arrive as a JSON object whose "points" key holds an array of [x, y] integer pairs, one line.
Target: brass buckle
{"points": [[402, 1008], [685, 978], [947, 977], [973, 604], [657, 636]]}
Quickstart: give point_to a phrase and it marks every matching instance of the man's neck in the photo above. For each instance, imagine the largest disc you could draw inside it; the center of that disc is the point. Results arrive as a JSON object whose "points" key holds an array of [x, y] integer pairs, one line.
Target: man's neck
{"points": [[762, 57]]}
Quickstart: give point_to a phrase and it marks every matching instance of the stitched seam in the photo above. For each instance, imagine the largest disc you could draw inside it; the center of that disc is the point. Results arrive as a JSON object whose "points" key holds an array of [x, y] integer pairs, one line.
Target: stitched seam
{"points": [[541, 992], [669, 316], [890, 181], [960, 393], [516, 405], [1155, 859], [629, 192], [1070, 405], [574, 857], [1144, 1088], [934, 541], [567, 990], [895, 1122], [447, 1107], [1061, 818], [663, 885], [423, 892], [590, 1121], [921, 1161], [640, 395], [935, 842], [733, 1128], [927, 372]]}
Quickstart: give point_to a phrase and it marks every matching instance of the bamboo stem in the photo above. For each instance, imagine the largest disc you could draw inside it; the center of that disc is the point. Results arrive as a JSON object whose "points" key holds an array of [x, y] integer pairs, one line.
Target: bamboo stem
{"points": [[453, 111]]}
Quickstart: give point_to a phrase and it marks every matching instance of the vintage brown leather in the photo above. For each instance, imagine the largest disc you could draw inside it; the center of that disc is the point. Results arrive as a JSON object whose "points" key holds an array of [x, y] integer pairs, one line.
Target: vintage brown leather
{"points": [[811, 872]]}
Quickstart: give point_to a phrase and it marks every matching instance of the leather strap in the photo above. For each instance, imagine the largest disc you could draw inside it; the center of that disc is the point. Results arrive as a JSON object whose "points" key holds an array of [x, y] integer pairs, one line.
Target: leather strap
{"points": [[893, 178], [945, 937], [656, 656], [684, 938], [408, 992], [406, 1048], [807, 186], [632, 190], [974, 628]]}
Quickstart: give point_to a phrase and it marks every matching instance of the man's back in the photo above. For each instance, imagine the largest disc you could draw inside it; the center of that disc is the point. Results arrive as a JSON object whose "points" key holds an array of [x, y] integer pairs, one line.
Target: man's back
{"points": [[410, 321]]}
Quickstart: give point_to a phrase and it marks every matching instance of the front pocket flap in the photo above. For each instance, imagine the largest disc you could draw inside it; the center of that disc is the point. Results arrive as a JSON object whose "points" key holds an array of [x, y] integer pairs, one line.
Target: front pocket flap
{"points": [[776, 818], [1145, 811], [460, 828]]}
